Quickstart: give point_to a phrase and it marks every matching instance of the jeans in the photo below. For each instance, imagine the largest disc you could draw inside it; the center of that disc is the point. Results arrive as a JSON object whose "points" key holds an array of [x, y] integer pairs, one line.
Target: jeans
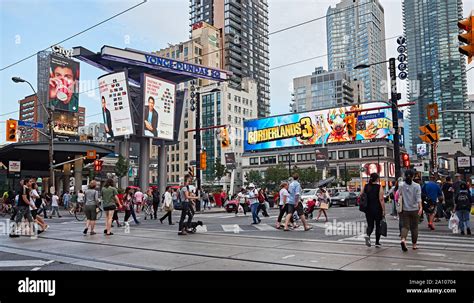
{"points": [[463, 216], [206, 202], [66, 204], [168, 214], [410, 222], [254, 207], [43, 210], [155, 209], [186, 211], [130, 212], [55, 210]]}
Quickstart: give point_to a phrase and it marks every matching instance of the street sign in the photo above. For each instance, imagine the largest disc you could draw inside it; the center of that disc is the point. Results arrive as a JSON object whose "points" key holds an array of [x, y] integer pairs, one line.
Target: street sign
{"points": [[430, 132], [91, 154], [464, 161], [14, 166], [322, 156], [30, 124], [230, 160], [432, 111]]}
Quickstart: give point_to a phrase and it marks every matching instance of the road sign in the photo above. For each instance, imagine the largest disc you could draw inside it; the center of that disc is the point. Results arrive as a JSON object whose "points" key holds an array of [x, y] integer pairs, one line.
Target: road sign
{"points": [[430, 133], [30, 124], [14, 166], [432, 111], [230, 160], [91, 154]]}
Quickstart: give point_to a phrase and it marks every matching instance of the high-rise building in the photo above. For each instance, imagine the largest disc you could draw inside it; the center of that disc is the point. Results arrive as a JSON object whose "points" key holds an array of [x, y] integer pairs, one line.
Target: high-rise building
{"points": [[356, 35], [325, 89], [29, 112], [245, 40], [436, 69]]}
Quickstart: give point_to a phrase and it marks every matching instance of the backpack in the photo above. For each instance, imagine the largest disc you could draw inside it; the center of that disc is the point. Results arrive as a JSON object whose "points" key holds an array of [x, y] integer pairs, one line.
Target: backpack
{"points": [[363, 201], [463, 201]]}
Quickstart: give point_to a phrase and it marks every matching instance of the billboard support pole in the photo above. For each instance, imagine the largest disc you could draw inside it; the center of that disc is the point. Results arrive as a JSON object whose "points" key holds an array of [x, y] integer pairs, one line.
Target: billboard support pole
{"points": [[124, 150], [162, 167], [198, 144], [144, 163]]}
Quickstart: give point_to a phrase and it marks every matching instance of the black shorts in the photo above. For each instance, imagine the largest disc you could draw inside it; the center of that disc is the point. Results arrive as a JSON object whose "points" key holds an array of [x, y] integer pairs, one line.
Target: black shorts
{"points": [[110, 207], [290, 209], [34, 212], [299, 209]]}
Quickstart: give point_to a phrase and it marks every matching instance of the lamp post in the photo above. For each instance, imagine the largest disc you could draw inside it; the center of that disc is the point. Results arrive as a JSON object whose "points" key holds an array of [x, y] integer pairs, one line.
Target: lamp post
{"points": [[51, 129], [394, 103]]}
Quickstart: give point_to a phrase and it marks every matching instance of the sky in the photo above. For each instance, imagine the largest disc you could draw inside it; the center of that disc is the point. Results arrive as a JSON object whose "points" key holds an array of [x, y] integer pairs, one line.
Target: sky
{"points": [[27, 26]]}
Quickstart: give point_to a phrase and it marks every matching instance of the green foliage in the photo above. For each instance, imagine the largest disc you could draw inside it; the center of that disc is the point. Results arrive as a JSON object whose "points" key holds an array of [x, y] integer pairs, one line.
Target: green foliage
{"points": [[219, 169], [254, 177], [121, 167], [275, 175]]}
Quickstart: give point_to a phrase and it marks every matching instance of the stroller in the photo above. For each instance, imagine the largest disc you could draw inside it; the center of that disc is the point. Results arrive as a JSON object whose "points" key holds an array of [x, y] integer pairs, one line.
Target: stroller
{"points": [[308, 210], [148, 208], [231, 206]]}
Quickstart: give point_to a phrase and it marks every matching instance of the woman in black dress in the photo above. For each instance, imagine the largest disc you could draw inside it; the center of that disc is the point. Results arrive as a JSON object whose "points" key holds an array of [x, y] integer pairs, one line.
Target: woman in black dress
{"points": [[375, 209]]}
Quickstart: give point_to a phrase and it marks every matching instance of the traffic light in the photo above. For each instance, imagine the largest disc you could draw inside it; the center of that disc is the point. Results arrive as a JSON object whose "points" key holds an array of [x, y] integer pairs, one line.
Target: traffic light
{"points": [[467, 38], [406, 160], [203, 163], [98, 165], [225, 140], [351, 122], [12, 129]]}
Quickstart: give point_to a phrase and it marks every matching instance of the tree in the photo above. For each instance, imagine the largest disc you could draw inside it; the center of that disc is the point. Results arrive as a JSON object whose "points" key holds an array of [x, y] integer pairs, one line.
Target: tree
{"points": [[254, 177], [308, 177], [275, 175], [121, 167], [219, 169]]}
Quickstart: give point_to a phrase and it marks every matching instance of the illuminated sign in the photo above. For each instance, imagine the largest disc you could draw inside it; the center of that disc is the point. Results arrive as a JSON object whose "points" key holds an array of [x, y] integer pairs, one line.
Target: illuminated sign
{"points": [[335, 125]]}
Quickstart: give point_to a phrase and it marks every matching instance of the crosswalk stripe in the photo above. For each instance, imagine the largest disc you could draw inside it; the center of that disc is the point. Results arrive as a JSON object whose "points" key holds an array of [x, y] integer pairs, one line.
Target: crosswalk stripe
{"points": [[23, 263], [421, 242], [235, 228], [264, 227]]}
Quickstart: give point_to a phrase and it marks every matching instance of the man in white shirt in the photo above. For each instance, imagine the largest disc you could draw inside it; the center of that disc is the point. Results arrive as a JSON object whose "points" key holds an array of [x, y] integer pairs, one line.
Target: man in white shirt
{"points": [[410, 193]]}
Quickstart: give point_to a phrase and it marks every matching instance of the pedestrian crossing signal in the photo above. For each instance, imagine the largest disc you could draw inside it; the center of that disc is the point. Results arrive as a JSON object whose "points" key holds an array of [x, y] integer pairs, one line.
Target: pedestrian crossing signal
{"points": [[98, 165], [203, 162], [12, 130], [406, 160], [191, 171]]}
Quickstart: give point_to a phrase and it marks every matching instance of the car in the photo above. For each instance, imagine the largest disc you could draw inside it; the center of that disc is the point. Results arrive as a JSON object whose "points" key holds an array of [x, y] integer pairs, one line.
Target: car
{"points": [[344, 198], [309, 194]]}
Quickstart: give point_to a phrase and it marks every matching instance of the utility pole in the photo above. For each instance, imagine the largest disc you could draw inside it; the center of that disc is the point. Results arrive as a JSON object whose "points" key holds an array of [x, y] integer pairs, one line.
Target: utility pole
{"points": [[198, 143], [394, 103]]}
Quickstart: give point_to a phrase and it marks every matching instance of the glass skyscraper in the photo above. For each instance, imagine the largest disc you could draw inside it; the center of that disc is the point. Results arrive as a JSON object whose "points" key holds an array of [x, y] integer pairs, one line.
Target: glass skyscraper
{"points": [[356, 35], [436, 70], [245, 31]]}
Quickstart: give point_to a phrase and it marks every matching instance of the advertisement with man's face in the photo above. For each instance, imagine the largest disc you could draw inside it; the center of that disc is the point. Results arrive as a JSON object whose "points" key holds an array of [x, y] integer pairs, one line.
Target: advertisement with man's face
{"points": [[317, 127], [64, 84], [115, 102], [159, 107]]}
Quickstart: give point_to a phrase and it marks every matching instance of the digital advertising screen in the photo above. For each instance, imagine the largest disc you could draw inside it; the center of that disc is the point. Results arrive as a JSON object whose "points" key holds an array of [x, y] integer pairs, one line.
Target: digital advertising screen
{"points": [[66, 124], [115, 102], [64, 84], [328, 126], [159, 107]]}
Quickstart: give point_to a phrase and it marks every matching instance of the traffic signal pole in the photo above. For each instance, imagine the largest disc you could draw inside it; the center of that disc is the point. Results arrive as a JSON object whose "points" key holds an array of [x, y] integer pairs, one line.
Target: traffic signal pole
{"points": [[394, 103], [198, 147]]}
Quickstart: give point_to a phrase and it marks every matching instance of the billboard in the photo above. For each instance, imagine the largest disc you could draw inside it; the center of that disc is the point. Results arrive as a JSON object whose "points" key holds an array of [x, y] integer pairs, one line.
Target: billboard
{"points": [[116, 111], [63, 92], [325, 126], [421, 150], [159, 107], [370, 168]]}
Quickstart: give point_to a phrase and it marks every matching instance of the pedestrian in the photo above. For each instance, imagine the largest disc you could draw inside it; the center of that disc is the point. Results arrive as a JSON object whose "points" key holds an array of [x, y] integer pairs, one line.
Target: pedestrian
{"points": [[242, 198], [156, 201], [457, 184], [205, 200], [375, 211], [54, 206], [81, 198], [294, 203], [138, 199], [167, 206], [175, 197], [73, 203], [91, 203], [110, 199], [412, 208], [35, 204], [462, 208], [262, 203], [432, 194], [66, 199], [43, 207], [23, 208], [323, 199], [186, 198], [128, 206], [283, 200], [253, 198], [448, 193]]}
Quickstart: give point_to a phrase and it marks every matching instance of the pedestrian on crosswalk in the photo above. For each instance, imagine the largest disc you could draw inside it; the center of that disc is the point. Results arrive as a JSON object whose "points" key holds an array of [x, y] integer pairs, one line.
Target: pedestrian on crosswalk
{"points": [[109, 201], [186, 197], [91, 197], [411, 210], [242, 198], [253, 200], [294, 203], [375, 211], [167, 206], [284, 195], [462, 208]]}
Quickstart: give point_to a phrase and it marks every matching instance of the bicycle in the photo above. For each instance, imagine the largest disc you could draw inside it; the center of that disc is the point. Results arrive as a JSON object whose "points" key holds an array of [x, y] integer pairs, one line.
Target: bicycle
{"points": [[81, 215]]}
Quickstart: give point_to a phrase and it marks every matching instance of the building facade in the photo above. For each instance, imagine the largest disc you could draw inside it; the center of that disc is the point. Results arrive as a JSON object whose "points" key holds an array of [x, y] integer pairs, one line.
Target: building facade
{"points": [[29, 112], [436, 69], [356, 35], [325, 89], [245, 40]]}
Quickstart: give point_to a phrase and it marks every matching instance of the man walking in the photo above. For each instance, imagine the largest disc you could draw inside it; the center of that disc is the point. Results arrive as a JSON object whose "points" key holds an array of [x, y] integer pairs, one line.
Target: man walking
{"points": [[434, 195], [156, 201], [186, 197], [448, 192], [23, 208], [294, 203], [411, 209]]}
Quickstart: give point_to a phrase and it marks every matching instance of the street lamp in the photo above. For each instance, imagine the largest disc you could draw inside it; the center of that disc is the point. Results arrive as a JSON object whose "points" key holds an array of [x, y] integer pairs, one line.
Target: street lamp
{"points": [[393, 100], [51, 129]]}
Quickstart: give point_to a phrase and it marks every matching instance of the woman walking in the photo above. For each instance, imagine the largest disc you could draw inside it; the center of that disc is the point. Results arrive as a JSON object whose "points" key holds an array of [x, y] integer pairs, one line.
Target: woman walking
{"points": [[167, 206], [283, 200], [323, 203], [35, 204], [109, 198], [92, 202], [242, 198], [462, 207], [375, 209], [128, 204]]}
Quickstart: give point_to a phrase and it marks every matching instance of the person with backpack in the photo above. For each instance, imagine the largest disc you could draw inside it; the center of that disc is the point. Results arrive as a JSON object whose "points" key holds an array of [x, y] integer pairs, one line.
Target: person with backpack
{"points": [[294, 204], [23, 208], [448, 193], [462, 208], [186, 197], [375, 210], [432, 195], [411, 209], [156, 201]]}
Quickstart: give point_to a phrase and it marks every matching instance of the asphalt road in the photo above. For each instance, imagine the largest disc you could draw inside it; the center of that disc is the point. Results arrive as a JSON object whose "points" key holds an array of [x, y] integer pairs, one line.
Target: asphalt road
{"points": [[230, 242]]}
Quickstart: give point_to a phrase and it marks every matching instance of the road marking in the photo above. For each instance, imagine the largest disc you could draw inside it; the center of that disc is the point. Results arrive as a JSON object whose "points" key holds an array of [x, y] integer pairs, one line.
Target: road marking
{"points": [[36, 269], [416, 266], [23, 263], [235, 228], [289, 256], [264, 227], [431, 254]]}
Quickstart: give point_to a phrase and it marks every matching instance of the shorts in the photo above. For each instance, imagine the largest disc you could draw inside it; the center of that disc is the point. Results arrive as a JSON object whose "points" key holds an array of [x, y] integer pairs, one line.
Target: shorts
{"points": [[290, 209], [110, 207], [299, 209], [91, 213], [34, 212]]}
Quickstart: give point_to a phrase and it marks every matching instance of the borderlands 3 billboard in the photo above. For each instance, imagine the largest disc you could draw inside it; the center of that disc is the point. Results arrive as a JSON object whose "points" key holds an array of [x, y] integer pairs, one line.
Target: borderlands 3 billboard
{"points": [[328, 126]]}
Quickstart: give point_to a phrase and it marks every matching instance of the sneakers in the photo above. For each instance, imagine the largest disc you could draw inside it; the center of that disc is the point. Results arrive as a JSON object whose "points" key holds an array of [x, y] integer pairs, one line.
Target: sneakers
{"points": [[462, 233], [377, 244], [85, 231], [404, 246], [469, 231], [182, 232], [367, 241]]}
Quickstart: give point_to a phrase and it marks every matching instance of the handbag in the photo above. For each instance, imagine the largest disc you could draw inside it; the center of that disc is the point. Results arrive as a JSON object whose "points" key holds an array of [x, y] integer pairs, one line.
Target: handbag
{"points": [[383, 227], [399, 203], [324, 205], [472, 210], [363, 201]]}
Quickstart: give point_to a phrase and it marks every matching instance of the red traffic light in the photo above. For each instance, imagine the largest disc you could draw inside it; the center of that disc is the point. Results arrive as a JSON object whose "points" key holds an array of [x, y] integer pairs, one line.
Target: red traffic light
{"points": [[98, 165], [406, 157]]}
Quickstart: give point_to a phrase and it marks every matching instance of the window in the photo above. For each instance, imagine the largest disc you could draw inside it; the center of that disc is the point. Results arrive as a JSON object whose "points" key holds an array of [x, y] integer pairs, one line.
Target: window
{"points": [[185, 156], [172, 158], [284, 158], [332, 155], [268, 160], [305, 157], [186, 145], [254, 161]]}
